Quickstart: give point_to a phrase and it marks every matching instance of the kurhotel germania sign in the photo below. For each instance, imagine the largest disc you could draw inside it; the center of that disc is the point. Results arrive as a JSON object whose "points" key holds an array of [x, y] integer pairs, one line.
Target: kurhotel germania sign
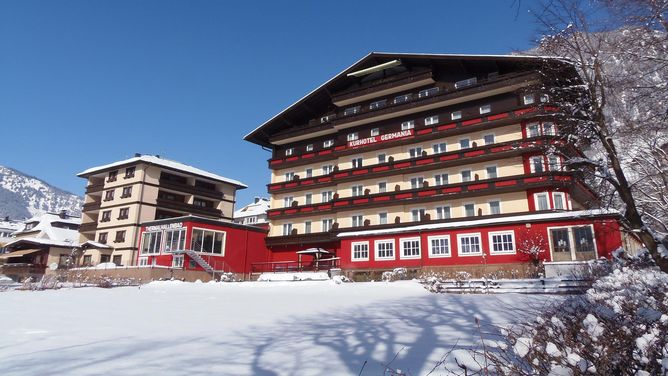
{"points": [[380, 138]]}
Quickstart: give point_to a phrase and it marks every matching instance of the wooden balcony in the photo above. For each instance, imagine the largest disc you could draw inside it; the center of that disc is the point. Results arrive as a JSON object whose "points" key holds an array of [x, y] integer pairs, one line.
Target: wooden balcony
{"points": [[191, 189], [439, 130], [93, 188], [188, 208], [390, 85], [431, 193], [91, 206], [88, 227], [423, 163], [312, 238]]}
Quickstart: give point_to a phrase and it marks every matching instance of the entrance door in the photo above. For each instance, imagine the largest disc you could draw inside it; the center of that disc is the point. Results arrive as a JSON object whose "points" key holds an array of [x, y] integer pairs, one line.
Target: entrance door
{"points": [[573, 243]]}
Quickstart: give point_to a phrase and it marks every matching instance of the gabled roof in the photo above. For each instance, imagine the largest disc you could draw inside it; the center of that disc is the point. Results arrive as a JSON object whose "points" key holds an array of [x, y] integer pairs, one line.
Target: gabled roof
{"points": [[253, 209], [45, 231], [162, 162], [320, 98]]}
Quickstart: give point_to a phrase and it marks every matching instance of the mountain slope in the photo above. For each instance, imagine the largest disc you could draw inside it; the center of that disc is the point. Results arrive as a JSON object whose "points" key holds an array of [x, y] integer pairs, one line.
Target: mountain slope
{"points": [[22, 196]]}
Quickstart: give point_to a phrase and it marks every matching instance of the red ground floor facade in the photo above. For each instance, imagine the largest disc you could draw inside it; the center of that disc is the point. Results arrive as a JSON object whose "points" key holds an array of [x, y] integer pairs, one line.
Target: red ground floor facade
{"points": [[194, 243], [510, 240]]}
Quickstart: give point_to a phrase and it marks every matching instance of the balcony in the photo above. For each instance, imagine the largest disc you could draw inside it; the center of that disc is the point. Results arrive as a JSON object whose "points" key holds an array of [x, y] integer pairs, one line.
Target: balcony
{"points": [[413, 165], [88, 227], [91, 206], [429, 194], [439, 130], [312, 238], [191, 189], [96, 187], [393, 84], [188, 208]]}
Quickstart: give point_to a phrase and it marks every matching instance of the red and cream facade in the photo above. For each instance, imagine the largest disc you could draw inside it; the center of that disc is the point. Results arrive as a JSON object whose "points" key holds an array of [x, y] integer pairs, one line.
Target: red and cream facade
{"points": [[429, 161], [121, 196]]}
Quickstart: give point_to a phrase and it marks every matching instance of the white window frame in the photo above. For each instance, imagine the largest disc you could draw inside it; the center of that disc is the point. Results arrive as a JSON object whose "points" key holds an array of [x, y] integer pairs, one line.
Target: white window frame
{"points": [[288, 227], [571, 239], [461, 175], [308, 227], [308, 198], [437, 147], [439, 176], [159, 245], [431, 248], [528, 129], [223, 245], [357, 187], [289, 152], [528, 99], [384, 189], [415, 152], [464, 209], [406, 125], [287, 201], [532, 165], [489, 205], [330, 197], [357, 162], [375, 132], [410, 257], [309, 147], [329, 222], [352, 136], [431, 120], [419, 180], [547, 198], [491, 242], [563, 200], [176, 264], [352, 251], [377, 249], [487, 135], [357, 218], [308, 172], [485, 109], [496, 171], [468, 235], [380, 222], [442, 216], [289, 176], [455, 115], [327, 169], [143, 261], [421, 213]]}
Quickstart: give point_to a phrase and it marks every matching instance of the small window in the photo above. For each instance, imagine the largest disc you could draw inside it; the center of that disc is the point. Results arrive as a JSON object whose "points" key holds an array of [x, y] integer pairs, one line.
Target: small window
{"points": [[352, 110], [456, 115], [443, 212], [308, 199], [327, 196], [378, 104], [466, 175], [357, 162], [382, 158], [469, 210], [375, 132], [327, 169], [287, 229], [326, 119], [406, 125], [327, 224], [553, 163], [491, 172], [528, 99], [360, 251], [328, 144], [485, 109], [559, 199], [357, 190], [465, 83], [464, 143], [307, 227], [439, 246], [415, 152], [417, 214], [431, 120], [112, 176], [428, 92], [385, 249], [544, 98], [289, 176], [143, 261], [410, 248], [502, 242], [489, 139], [402, 98], [177, 261], [533, 130], [287, 201], [102, 237], [309, 147], [542, 201], [440, 148], [106, 216], [382, 218], [417, 182], [494, 207], [382, 187], [536, 163], [309, 172], [352, 136], [127, 192], [441, 179], [357, 220], [289, 151], [130, 172], [469, 244], [120, 236], [124, 213], [109, 195], [549, 129]]}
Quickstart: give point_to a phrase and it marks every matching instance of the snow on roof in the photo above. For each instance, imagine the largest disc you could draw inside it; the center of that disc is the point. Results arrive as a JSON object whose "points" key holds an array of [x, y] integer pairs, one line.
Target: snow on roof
{"points": [[11, 225], [45, 229], [253, 209], [43, 241], [94, 244], [488, 221], [178, 166]]}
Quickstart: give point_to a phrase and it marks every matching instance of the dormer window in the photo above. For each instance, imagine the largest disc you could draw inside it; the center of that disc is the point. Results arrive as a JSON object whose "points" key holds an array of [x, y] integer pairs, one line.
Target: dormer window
{"points": [[408, 125], [378, 104], [328, 144], [402, 98], [289, 151], [352, 136], [428, 92], [528, 99], [309, 147]]}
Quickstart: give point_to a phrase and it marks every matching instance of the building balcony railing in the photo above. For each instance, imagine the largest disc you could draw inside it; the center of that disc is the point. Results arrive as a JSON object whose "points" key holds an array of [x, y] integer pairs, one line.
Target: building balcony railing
{"points": [[88, 227], [422, 163], [191, 189], [392, 83], [93, 188], [188, 208], [312, 238], [431, 193], [439, 130], [91, 206]]}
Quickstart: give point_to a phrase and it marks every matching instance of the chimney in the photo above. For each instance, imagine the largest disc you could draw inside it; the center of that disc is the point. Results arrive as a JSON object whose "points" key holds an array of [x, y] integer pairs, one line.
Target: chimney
{"points": [[137, 155], [257, 199], [157, 155], [63, 214]]}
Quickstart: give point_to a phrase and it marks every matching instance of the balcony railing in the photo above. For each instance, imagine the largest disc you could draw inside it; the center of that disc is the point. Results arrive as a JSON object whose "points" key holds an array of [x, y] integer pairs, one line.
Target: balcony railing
{"points": [[294, 266], [91, 206], [180, 187], [431, 193], [88, 227], [97, 187], [422, 163], [188, 208], [439, 130]]}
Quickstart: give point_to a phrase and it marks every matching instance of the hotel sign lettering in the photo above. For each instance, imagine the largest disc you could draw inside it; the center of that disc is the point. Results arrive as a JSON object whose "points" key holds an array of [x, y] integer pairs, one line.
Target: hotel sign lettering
{"points": [[164, 227], [380, 138]]}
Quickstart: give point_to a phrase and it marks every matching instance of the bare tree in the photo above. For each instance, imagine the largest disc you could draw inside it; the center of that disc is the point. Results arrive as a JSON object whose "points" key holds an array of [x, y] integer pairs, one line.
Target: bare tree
{"points": [[617, 108]]}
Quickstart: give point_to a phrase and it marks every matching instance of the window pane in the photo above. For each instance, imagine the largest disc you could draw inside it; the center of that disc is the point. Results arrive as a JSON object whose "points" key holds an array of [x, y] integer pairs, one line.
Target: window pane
{"points": [[584, 239], [560, 241]]}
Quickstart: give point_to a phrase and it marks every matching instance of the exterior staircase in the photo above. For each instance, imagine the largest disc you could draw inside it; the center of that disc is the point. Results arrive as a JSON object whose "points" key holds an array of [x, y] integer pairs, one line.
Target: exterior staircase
{"points": [[199, 260]]}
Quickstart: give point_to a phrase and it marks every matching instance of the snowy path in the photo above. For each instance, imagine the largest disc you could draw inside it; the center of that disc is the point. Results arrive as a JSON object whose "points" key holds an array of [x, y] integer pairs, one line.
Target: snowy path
{"points": [[276, 328]]}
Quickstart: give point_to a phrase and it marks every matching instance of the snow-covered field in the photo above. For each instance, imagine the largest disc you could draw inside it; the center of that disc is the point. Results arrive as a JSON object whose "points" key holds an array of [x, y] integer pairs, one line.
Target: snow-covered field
{"points": [[258, 328]]}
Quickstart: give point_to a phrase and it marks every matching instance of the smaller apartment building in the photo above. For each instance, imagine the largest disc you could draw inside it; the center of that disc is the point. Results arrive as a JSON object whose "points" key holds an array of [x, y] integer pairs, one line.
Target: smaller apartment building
{"points": [[121, 196]]}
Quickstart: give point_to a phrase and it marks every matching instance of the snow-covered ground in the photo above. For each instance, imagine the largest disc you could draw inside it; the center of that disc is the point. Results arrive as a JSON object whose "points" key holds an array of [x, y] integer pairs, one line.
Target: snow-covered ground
{"points": [[258, 328]]}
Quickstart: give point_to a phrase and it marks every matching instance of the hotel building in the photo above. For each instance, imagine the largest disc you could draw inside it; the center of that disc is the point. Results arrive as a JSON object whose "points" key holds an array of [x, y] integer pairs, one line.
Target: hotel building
{"points": [[121, 196], [430, 161]]}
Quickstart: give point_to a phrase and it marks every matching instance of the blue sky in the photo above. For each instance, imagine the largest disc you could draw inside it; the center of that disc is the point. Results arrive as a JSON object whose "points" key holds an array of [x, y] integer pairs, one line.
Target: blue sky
{"points": [[84, 83]]}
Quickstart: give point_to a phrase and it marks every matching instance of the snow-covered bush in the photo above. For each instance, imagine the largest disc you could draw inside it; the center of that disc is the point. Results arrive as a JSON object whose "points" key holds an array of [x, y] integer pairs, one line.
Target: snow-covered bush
{"points": [[228, 277], [395, 275], [619, 327]]}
